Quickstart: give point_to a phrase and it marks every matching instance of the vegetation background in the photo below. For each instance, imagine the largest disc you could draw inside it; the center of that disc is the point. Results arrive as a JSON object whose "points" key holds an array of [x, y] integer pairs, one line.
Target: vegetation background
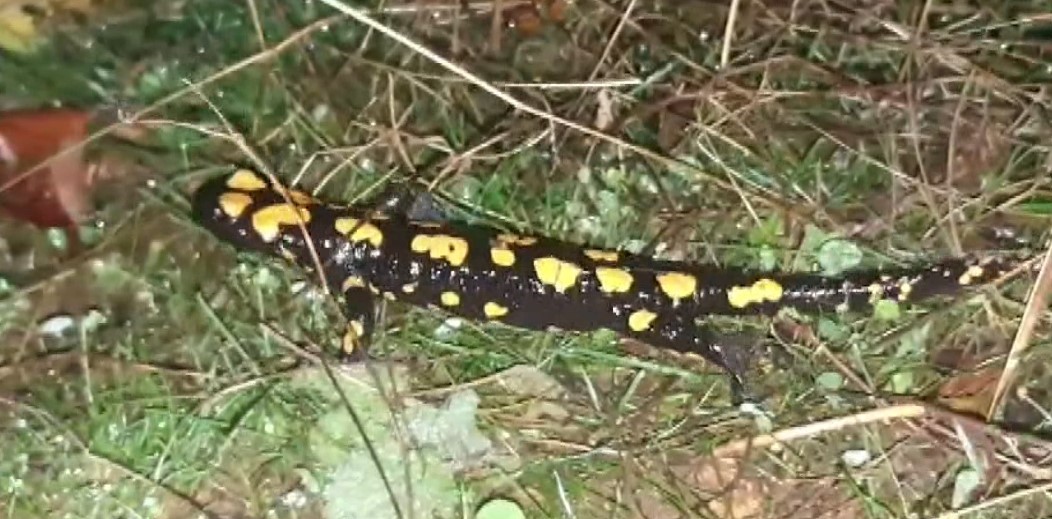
{"points": [[159, 374]]}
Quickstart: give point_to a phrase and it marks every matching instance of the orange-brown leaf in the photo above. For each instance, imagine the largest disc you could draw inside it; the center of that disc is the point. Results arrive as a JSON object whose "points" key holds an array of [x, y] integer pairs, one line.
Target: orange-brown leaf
{"points": [[58, 193], [969, 393]]}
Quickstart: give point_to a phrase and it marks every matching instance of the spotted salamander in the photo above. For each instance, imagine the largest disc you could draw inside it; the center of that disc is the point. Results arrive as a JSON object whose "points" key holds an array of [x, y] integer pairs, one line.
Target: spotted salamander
{"points": [[534, 282]]}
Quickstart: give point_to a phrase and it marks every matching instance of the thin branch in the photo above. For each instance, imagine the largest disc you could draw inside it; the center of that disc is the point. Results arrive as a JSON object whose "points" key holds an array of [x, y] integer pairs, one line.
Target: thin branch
{"points": [[812, 429]]}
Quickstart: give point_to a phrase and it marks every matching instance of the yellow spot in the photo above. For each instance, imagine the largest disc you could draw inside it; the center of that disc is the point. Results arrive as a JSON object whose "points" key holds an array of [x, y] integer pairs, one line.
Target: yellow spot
{"points": [[613, 280], [769, 289], [409, 288], [493, 310], [357, 327], [360, 231], [515, 239], [354, 336], [740, 297], [429, 225], [450, 298], [760, 291], [640, 320], [349, 343], [298, 197], [374, 290], [440, 246], [973, 272], [904, 290], [677, 285], [502, 257], [246, 180], [353, 282], [556, 272], [876, 291], [390, 296], [602, 255], [267, 222], [233, 204]]}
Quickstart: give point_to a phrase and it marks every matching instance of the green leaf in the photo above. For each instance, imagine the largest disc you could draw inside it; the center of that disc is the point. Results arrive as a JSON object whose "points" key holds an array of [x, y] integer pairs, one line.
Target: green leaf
{"points": [[767, 233], [500, 509], [836, 256], [964, 486], [1038, 208], [886, 310], [831, 330], [912, 343], [768, 259], [811, 243], [902, 382], [830, 380], [57, 238]]}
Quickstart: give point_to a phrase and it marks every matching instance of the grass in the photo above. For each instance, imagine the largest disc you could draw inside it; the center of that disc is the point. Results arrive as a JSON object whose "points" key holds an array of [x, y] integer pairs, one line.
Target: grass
{"points": [[816, 134]]}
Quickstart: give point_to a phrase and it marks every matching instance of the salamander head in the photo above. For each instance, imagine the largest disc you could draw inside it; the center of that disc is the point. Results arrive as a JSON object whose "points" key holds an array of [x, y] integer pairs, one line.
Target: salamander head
{"points": [[246, 210]]}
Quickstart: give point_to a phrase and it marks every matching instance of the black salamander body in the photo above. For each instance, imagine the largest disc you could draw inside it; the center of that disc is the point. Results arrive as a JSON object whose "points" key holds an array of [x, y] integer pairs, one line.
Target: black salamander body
{"points": [[535, 282]]}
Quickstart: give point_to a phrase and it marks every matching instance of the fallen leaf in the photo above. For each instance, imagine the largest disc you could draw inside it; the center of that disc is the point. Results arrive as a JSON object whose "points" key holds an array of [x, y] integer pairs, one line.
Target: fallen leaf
{"points": [[970, 393], [55, 196], [981, 147], [737, 494], [674, 121], [525, 18], [58, 194], [500, 509], [529, 17], [525, 380], [550, 411], [557, 10]]}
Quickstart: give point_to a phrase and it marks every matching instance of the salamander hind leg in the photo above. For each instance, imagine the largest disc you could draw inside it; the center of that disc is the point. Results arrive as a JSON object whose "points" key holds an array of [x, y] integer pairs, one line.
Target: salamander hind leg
{"points": [[684, 336], [360, 312]]}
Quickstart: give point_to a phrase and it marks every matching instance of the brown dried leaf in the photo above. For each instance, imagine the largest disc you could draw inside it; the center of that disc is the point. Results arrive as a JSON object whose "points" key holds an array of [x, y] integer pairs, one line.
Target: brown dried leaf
{"points": [[970, 393], [740, 495], [978, 150], [525, 380], [525, 18], [673, 122], [46, 177], [529, 17]]}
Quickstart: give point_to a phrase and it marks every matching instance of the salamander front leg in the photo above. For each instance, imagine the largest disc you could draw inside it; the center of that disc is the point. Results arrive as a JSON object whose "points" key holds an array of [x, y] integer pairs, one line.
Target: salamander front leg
{"points": [[400, 200], [685, 336], [360, 312]]}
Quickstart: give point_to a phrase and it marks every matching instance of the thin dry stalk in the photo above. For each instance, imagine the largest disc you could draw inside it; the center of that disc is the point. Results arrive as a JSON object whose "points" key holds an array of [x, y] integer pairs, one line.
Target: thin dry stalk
{"points": [[762, 194], [1036, 307], [812, 429]]}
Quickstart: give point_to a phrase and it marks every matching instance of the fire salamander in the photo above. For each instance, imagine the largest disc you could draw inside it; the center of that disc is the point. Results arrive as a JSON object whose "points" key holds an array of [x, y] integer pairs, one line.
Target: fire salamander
{"points": [[534, 282]]}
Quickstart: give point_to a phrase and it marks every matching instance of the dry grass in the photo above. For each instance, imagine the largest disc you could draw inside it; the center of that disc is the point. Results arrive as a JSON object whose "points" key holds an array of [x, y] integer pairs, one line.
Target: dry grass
{"points": [[743, 132]]}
